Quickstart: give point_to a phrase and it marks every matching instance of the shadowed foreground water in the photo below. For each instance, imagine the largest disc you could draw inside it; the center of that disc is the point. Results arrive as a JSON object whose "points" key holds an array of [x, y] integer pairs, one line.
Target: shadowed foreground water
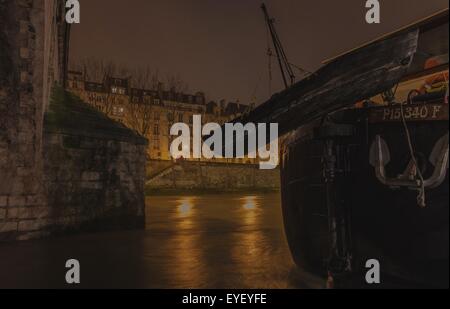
{"points": [[216, 241]]}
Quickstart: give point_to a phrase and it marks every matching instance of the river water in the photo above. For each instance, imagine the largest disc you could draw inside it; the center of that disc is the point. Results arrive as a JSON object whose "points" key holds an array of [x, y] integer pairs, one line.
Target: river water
{"points": [[208, 241]]}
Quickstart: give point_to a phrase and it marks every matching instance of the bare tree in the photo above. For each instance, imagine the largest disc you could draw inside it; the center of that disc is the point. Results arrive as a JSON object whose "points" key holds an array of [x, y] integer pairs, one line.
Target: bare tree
{"points": [[139, 117], [176, 84], [139, 111], [96, 70], [99, 70]]}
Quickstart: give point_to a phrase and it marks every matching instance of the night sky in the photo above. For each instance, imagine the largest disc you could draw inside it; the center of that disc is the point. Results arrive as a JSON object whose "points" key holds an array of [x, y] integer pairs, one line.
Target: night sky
{"points": [[219, 46]]}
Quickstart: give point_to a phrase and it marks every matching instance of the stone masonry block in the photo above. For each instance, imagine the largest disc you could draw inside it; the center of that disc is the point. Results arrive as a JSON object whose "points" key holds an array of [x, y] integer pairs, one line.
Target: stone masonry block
{"points": [[32, 225], [91, 185], [24, 77], [13, 213], [16, 201], [3, 201], [8, 227], [24, 53], [34, 200], [2, 214], [24, 26], [33, 212], [90, 176]]}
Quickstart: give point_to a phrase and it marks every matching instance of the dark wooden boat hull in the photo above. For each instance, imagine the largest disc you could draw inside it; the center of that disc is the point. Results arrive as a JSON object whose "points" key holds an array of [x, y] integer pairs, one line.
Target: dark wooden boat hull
{"points": [[384, 223], [355, 76]]}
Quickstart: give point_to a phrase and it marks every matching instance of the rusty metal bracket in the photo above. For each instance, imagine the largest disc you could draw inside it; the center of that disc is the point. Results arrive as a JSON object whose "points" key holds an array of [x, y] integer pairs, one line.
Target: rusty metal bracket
{"points": [[380, 157]]}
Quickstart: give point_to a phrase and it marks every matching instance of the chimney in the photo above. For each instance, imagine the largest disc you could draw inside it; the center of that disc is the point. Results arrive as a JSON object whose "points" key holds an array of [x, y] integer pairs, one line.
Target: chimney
{"points": [[160, 89], [222, 104]]}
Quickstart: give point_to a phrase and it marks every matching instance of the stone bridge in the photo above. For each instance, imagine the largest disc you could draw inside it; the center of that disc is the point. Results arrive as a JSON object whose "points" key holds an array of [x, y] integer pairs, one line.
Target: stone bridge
{"points": [[55, 174]]}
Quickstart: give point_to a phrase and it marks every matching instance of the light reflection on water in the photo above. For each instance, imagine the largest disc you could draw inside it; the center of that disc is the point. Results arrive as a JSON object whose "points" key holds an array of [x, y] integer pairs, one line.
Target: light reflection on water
{"points": [[225, 241], [188, 259], [212, 241], [185, 207], [249, 202]]}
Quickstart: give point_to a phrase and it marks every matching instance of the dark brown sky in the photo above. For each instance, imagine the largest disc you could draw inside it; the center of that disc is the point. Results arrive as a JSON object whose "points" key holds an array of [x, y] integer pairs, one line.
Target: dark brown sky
{"points": [[219, 46]]}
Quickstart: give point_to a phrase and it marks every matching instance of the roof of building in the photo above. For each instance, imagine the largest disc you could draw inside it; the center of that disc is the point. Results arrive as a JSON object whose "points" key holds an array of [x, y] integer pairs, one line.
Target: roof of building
{"points": [[234, 108]]}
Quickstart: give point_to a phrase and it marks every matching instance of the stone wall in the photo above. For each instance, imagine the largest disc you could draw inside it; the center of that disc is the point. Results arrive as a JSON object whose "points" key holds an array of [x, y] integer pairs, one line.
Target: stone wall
{"points": [[22, 36], [214, 176], [94, 169], [155, 167], [94, 183]]}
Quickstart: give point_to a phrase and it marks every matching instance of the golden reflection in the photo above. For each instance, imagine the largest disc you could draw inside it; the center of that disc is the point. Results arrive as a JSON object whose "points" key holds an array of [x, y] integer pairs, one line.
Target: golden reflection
{"points": [[249, 202], [251, 211], [185, 207], [248, 250], [186, 245]]}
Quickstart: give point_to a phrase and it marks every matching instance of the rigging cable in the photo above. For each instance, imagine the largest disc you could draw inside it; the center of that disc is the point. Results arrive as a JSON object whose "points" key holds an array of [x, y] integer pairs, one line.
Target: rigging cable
{"points": [[269, 55], [285, 68], [421, 199], [299, 68]]}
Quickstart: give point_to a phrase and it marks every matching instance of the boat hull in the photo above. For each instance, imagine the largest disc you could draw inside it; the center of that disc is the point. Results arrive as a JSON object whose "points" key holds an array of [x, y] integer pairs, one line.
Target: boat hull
{"points": [[380, 221]]}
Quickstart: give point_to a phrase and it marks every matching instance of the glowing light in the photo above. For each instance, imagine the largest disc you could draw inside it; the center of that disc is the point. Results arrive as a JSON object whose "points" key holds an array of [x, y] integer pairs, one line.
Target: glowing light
{"points": [[185, 207], [249, 202]]}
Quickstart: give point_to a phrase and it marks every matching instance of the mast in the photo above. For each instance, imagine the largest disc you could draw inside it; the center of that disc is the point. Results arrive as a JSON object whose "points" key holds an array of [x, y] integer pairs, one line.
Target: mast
{"points": [[285, 67]]}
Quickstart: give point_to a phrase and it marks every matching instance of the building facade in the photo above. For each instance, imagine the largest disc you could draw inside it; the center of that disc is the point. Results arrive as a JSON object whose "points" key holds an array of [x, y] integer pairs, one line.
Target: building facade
{"points": [[153, 112]]}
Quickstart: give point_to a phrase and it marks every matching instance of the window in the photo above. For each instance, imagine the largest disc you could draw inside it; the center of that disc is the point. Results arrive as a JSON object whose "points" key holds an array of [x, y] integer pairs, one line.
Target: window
{"points": [[147, 100], [180, 117], [157, 115], [117, 90], [156, 101], [117, 110], [156, 145], [156, 129], [170, 116]]}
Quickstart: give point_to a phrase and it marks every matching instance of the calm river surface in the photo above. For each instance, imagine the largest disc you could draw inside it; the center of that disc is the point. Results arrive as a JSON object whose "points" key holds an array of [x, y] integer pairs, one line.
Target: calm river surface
{"points": [[208, 241]]}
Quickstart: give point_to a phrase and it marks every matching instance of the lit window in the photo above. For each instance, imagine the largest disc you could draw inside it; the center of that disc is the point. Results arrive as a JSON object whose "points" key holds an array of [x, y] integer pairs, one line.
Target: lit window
{"points": [[156, 144]]}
